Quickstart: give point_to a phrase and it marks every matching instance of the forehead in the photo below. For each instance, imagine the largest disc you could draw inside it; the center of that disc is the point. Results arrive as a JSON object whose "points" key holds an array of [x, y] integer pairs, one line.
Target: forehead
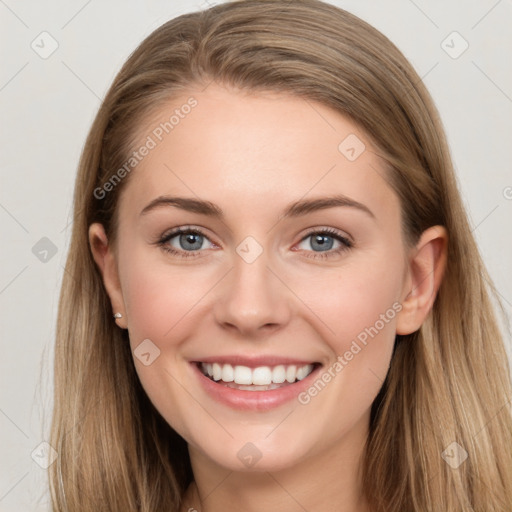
{"points": [[253, 150]]}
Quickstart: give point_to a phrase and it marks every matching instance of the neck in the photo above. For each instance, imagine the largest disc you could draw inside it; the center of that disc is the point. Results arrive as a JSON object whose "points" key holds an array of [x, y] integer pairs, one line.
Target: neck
{"points": [[326, 481]]}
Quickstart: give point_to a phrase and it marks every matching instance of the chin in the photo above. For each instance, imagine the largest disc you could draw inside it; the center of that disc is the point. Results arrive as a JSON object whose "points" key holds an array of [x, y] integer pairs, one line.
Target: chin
{"points": [[253, 453]]}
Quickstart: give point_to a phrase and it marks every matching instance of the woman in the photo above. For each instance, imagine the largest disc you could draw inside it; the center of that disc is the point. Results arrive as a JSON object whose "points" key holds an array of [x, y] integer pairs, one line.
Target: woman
{"points": [[273, 298]]}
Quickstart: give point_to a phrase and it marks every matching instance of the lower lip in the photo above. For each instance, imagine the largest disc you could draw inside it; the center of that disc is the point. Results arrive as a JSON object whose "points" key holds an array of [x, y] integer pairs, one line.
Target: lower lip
{"points": [[253, 400]]}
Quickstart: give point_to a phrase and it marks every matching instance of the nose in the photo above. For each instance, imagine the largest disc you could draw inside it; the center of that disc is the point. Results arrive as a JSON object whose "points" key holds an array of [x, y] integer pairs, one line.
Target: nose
{"points": [[252, 301]]}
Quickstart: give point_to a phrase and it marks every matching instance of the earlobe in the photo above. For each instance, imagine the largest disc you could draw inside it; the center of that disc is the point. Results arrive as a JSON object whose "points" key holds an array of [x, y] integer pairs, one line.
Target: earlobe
{"points": [[105, 259], [425, 272]]}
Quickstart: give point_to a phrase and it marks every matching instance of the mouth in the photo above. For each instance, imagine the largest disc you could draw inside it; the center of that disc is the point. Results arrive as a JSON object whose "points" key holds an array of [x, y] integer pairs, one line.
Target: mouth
{"points": [[257, 387], [260, 378]]}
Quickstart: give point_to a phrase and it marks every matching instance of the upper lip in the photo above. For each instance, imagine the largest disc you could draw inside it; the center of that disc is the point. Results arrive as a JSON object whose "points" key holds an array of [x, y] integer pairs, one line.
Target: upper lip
{"points": [[254, 361]]}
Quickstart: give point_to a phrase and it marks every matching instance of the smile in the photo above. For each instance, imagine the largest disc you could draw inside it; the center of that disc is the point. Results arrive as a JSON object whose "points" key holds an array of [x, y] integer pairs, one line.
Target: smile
{"points": [[260, 378], [261, 384]]}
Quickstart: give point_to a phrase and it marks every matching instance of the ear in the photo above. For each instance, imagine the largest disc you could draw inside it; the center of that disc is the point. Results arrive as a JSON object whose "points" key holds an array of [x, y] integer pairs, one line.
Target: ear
{"points": [[425, 271], [104, 257]]}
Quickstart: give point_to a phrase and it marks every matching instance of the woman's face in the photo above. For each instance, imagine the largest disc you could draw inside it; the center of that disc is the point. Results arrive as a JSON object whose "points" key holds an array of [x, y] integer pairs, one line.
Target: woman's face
{"points": [[295, 263]]}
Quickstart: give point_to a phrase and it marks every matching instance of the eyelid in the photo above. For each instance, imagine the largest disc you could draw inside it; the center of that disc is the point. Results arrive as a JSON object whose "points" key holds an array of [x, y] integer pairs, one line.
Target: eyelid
{"points": [[174, 232], [331, 231], [345, 240], [189, 228], [346, 243]]}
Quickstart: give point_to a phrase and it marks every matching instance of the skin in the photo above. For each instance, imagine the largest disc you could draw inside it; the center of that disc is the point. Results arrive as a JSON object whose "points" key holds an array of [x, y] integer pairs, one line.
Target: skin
{"points": [[252, 155]]}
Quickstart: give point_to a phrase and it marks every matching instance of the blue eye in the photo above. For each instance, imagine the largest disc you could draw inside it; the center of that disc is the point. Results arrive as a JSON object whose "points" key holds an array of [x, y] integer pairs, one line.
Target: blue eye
{"points": [[188, 242], [322, 242]]}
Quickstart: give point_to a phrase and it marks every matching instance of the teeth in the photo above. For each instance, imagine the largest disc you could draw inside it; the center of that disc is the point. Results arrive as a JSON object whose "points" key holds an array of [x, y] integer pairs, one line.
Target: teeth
{"points": [[252, 387], [228, 374], [279, 374], [217, 371], [291, 373], [301, 373], [260, 376], [243, 375]]}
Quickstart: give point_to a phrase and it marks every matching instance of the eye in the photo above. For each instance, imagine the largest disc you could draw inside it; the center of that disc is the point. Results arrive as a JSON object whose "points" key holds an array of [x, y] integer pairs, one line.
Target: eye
{"points": [[184, 242], [321, 243]]}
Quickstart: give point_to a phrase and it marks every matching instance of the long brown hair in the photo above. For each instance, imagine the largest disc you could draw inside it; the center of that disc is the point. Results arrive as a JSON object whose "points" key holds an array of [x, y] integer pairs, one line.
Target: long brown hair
{"points": [[449, 382]]}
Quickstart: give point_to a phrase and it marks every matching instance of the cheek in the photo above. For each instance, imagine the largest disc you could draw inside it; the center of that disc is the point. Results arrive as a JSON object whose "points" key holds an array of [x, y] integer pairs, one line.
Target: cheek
{"points": [[158, 297], [356, 314], [162, 304], [356, 301], [355, 308]]}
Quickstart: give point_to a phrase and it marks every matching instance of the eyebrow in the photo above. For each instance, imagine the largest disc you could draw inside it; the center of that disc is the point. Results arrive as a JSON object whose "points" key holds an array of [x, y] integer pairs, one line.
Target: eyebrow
{"points": [[296, 209]]}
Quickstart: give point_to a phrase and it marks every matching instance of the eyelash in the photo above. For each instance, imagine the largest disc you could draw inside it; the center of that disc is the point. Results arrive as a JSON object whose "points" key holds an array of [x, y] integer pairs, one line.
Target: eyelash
{"points": [[346, 244]]}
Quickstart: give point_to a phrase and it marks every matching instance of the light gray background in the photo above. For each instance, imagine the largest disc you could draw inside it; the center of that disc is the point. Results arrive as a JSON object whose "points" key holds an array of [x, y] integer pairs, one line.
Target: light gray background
{"points": [[47, 106]]}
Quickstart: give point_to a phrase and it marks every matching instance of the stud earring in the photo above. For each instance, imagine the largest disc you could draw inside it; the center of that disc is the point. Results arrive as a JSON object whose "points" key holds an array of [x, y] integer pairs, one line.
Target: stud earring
{"points": [[118, 315]]}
